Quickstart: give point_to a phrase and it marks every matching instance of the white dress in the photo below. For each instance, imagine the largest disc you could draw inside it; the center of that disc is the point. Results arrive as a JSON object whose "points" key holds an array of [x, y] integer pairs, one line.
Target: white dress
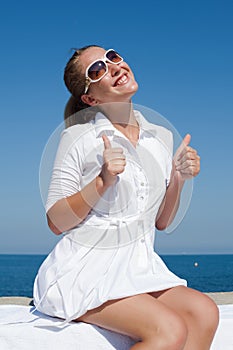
{"points": [[110, 254]]}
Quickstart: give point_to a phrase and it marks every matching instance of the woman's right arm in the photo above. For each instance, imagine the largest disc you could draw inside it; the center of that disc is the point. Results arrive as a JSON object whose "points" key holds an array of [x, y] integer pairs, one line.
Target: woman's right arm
{"points": [[68, 212]]}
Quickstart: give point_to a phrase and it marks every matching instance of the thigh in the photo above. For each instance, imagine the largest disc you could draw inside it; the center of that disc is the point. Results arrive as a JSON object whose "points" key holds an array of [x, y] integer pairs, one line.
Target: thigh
{"points": [[138, 316], [187, 302]]}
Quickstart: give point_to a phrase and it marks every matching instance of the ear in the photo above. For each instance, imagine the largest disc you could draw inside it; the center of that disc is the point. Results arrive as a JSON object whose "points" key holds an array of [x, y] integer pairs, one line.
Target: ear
{"points": [[89, 100]]}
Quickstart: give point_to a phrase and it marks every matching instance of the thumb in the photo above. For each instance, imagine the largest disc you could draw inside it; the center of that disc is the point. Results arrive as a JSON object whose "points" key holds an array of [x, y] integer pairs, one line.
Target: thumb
{"points": [[187, 139], [185, 142], [107, 143]]}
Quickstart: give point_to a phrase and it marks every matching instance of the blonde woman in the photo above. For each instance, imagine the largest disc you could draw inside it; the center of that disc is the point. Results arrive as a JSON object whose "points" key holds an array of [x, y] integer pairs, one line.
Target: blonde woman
{"points": [[114, 181]]}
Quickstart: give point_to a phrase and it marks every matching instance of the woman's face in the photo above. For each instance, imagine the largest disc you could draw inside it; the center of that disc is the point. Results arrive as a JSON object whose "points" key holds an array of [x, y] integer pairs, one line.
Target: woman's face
{"points": [[118, 85]]}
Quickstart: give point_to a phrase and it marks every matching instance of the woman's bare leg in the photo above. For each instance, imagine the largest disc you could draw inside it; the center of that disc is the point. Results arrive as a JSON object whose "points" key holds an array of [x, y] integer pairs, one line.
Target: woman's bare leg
{"points": [[198, 311], [144, 318]]}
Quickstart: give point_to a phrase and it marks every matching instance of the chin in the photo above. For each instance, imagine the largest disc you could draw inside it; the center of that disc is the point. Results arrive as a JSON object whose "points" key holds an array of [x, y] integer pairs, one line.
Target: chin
{"points": [[133, 88]]}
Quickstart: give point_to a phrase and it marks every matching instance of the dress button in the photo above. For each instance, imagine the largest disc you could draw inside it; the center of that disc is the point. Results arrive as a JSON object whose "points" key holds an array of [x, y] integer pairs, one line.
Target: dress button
{"points": [[141, 197], [142, 240], [142, 183]]}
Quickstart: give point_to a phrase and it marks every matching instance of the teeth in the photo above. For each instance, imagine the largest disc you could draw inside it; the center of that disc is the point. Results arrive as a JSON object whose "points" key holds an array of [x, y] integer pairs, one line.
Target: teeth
{"points": [[122, 80]]}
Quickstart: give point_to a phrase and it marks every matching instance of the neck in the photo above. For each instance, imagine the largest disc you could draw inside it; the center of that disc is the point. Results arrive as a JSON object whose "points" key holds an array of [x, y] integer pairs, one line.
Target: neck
{"points": [[120, 114], [122, 117]]}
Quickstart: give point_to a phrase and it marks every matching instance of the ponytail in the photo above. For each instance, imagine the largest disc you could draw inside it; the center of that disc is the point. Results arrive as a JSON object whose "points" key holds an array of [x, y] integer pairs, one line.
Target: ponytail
{"points": [[75, 82], [75, 115], [71, 115]]}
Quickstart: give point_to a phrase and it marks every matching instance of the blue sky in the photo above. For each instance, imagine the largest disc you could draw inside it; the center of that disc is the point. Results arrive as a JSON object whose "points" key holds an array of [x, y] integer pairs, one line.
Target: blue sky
{"points": [[181, 53]]}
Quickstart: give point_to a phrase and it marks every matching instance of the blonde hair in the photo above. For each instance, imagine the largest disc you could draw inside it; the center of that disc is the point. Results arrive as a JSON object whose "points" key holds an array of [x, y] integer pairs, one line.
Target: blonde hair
{"points": [[75, 82]]}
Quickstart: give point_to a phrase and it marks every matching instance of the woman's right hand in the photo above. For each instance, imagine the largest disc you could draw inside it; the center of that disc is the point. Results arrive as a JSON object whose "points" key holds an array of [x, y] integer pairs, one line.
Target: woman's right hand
{"points": [[114, 163]]}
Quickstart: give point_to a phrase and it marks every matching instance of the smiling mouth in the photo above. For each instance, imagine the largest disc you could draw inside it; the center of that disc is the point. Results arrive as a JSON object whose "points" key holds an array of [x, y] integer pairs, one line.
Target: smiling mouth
{"points": [[122, 80]]}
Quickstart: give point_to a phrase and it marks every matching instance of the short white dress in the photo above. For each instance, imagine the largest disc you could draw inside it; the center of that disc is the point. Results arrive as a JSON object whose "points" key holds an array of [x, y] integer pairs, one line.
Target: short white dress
{"points": [[110, 254]]}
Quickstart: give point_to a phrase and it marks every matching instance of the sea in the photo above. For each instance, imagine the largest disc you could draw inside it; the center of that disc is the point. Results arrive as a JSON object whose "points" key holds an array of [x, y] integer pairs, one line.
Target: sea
{"points": [[206, 273]]}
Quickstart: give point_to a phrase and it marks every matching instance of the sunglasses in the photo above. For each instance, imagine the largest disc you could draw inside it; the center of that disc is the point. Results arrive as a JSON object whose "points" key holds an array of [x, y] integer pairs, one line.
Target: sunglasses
{"points": [[99, 68]]}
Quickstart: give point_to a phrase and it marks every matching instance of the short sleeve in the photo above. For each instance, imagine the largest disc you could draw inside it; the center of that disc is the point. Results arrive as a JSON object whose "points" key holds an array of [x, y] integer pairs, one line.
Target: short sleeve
{"points": [[66, 174]]}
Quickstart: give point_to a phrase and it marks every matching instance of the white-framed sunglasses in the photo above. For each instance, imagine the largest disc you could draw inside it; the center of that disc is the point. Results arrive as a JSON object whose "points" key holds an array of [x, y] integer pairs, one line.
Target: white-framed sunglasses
{"points": [[99, 68]]}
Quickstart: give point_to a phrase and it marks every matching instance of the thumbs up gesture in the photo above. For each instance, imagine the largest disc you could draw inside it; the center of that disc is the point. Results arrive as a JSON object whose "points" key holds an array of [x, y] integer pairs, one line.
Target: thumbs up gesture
{"points": [[114, 162], [186, 160]]}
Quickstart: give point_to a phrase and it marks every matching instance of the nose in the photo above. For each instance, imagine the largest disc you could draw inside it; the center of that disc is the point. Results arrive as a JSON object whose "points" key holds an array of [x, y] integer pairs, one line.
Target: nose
{"points": [[114, 69]]}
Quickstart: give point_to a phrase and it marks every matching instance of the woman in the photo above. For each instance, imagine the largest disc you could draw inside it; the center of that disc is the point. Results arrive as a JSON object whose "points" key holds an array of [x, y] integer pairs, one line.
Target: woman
{"points": [[114, 181]]}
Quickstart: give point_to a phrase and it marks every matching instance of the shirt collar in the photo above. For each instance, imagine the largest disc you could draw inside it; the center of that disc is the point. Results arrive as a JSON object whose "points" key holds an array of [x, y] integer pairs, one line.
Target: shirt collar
{"points": [[145, 126], [103, 124]]}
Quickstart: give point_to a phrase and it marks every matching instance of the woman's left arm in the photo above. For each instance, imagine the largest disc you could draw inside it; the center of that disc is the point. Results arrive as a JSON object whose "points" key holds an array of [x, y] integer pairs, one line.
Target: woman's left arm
{"points": [[186, 164]]}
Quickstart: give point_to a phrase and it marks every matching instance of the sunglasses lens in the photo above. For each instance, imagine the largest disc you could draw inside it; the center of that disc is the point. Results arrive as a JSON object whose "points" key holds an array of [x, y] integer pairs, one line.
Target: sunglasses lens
{"points": [[114, 57], [97, 70]]}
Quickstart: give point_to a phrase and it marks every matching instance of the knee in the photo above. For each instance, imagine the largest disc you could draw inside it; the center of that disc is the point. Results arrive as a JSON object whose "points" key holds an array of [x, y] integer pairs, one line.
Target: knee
{"points": [[171, 335], [211, 314], [176, 334], [207, 314]]}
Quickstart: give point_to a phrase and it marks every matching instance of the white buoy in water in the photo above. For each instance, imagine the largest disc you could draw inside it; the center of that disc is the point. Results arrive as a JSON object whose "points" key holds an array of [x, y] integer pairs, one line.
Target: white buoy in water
{"points": [[196, 264]]}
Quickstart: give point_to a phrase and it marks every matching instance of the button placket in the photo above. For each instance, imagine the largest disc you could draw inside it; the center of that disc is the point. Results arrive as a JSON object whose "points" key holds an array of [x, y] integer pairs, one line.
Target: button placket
{"points": [[141, 188]]}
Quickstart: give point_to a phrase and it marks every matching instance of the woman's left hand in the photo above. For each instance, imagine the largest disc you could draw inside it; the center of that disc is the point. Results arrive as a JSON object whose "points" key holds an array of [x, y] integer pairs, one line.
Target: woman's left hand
{"points": [[186, 160]]}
